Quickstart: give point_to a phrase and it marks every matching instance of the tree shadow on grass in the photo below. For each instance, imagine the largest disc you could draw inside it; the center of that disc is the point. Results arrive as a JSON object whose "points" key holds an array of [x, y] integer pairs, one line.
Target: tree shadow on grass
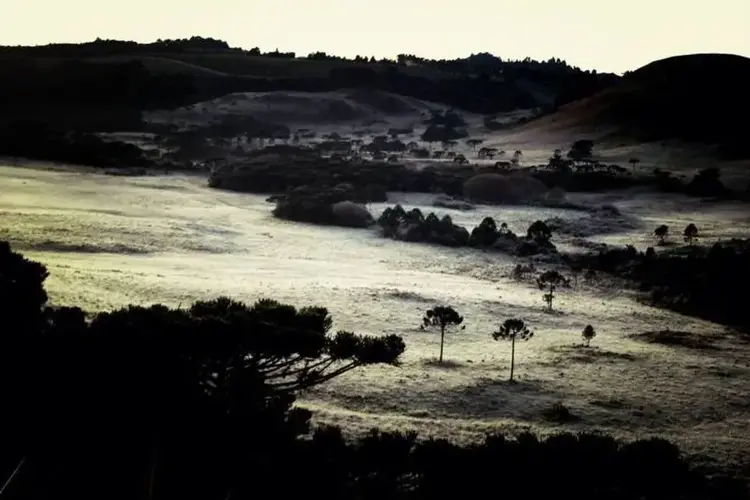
{"points": [[579, 353], [674, 338], [487, 399], [446, 364]]}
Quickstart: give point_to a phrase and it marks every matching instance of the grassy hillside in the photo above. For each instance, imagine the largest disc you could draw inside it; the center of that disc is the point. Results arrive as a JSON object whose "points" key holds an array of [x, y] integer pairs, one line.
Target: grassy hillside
{"points": [[701, 98]]}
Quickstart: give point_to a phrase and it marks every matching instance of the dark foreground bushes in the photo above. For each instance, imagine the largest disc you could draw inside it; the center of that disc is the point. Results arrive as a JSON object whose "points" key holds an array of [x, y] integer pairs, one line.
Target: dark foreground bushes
{"points": [[160, 403]]}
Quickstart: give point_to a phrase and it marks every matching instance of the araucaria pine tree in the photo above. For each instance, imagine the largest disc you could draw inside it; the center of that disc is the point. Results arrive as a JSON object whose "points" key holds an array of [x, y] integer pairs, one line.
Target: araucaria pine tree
{"points": [[548, 282], [513, 329], [441, 317]]}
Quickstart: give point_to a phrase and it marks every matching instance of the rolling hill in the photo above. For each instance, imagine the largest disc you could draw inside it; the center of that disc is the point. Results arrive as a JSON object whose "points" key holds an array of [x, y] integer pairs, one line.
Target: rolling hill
{"points": [[59, 80], [700, 99]]}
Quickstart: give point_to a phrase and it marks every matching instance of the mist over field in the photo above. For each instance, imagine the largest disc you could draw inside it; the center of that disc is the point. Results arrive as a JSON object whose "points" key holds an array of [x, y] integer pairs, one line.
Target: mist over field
{"points": [[111, 241]]}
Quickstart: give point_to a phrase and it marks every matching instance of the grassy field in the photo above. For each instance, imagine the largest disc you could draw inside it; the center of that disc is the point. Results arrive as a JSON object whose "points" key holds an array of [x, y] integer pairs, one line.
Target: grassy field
{"points": [[112, 241]]}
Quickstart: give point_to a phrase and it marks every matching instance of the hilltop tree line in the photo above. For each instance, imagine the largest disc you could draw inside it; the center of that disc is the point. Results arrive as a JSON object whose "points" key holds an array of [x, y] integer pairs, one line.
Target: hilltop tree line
{"points": [[198, 402], [60, 79]]}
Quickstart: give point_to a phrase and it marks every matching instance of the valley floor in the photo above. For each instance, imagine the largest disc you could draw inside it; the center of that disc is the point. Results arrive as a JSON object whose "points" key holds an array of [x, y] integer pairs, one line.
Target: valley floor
{"points": [[111, 241]]}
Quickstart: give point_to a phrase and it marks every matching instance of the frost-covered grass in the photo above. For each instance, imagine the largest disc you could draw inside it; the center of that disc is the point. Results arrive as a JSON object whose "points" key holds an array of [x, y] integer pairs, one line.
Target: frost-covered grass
{"points": [[110, 241]]}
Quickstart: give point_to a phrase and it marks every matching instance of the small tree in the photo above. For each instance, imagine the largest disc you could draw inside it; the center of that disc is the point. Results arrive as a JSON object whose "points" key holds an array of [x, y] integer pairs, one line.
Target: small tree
{"points": [[633, 162], [540, 232], [581, 149], [549, 281], [513, 329], [588, 334], [661, 233], [473, 143], [690, 234], [441, 317]]}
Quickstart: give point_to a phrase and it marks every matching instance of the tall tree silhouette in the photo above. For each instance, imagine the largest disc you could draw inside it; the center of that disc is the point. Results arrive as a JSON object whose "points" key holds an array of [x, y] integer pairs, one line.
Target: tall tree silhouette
{"points": [[512, 330], [441, 317]]}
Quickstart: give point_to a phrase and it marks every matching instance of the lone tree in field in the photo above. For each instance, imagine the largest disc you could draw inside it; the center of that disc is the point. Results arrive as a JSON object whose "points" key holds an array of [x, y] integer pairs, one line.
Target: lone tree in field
{"points": [[473, 143], [513, 329], [633, 162], [690, 234], [441, 317], [661, 233], [588, 334], [549, 281]]}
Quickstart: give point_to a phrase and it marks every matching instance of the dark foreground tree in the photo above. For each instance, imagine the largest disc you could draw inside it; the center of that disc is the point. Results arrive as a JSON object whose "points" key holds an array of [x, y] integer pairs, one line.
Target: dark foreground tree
{"points": [[513, 329], [143, 396], [588, 334], [441, 317]]}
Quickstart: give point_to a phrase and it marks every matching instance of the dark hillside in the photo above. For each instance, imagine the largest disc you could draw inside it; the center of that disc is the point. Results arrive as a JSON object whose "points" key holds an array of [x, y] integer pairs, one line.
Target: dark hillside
{"points": [[701, 98], [107, 75]]}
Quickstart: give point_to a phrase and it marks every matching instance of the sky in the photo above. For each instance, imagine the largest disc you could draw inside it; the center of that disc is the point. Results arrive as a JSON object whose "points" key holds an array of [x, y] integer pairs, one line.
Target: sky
{"points": [[592, 34]]}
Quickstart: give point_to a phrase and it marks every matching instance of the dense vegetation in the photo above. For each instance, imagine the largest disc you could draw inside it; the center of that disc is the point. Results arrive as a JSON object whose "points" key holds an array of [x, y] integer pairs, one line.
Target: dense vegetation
{"points": [[364, 166], [274, 174], [30, 139], [699, 281], [155, 403]]}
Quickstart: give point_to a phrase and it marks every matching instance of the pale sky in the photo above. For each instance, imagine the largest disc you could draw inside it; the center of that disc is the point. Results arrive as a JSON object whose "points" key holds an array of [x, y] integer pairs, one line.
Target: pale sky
{"points": [[593, 34]]}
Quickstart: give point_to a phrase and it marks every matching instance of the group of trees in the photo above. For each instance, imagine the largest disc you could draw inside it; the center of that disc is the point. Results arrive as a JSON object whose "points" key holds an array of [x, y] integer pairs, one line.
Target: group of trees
{"points": [[446, 318], [579, 169], [700, 282], [689, 234]]}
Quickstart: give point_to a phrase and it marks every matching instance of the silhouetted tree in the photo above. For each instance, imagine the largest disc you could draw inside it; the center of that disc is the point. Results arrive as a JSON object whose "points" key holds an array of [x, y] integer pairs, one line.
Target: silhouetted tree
{"points": [[540, 232], [661, 233], [633, 162], [549, 281], [706, 182], [22, 294], [690, 234], [581, 149], [441, 317], [588, 334], [485, 234], [513, 329]]}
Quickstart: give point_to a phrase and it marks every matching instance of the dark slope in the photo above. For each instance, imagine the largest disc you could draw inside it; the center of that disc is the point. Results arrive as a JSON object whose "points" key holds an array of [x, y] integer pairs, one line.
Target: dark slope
{"points": [[700, 98], [92, 84]]}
